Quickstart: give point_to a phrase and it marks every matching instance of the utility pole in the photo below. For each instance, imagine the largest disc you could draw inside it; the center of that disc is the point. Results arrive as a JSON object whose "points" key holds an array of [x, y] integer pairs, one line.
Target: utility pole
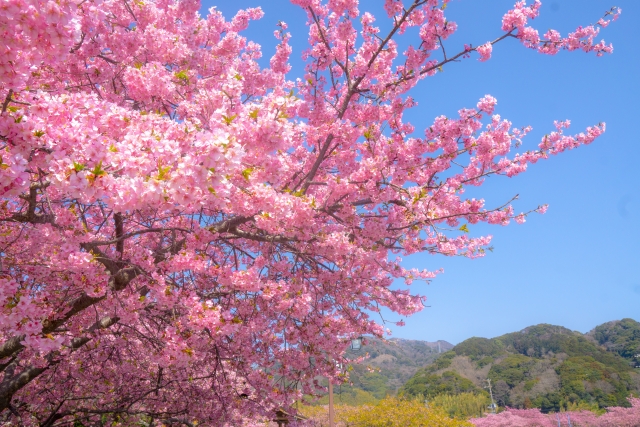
{"points": [[493, 404], [356, 345], [331, 422]]}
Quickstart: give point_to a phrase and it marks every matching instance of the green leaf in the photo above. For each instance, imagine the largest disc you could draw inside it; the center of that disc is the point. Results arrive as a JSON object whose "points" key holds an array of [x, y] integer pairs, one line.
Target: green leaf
{"points": [[98, 171], [247, 173], [182, 76], [229, 120], [78, 167], [464, 228], [163, 172]]}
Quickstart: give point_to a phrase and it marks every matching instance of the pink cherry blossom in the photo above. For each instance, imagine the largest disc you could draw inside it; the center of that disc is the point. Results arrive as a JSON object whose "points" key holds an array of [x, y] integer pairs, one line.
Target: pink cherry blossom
{"points": [[485, 51], [614, 417], [180, 224]]}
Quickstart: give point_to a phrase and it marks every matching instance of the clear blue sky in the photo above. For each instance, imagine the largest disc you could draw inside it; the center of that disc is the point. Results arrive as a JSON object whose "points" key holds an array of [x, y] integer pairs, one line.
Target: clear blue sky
{"points": [[577, 266]]}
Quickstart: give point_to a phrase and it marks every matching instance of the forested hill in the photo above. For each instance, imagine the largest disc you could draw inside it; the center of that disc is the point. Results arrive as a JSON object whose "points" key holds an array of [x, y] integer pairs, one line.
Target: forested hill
{"points": [[621, 337], [396, 360], [543, 366], [389, 365]]}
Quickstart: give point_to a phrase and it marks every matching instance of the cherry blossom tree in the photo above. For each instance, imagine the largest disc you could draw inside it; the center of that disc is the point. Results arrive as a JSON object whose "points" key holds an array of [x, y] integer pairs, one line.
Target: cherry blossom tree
{"points": [[614, 417], [188, 237]]}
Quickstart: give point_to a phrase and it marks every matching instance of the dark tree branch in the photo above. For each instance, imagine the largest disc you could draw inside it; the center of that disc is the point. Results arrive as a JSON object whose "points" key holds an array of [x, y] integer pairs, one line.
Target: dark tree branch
{"points": [[119, 228]]}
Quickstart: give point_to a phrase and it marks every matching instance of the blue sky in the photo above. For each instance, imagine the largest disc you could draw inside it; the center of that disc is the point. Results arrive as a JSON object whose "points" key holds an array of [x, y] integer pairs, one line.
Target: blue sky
{"points": [[576, 266]]}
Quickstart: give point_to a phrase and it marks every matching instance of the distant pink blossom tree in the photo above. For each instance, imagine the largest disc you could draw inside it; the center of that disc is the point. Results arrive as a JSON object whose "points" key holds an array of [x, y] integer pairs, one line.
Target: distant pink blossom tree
{"points": [[614, 417], [186, 237]]}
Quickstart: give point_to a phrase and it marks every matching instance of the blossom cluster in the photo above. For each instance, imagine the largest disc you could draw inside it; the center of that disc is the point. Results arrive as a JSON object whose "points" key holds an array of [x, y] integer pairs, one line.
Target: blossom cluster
{"points": [[614, 417], [179, 224], [582, 38]]}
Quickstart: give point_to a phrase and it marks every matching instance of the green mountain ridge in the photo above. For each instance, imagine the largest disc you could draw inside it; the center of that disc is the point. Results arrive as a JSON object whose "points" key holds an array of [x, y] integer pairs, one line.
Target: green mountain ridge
{"points": [[621, 337], [387, 367], [544, 366], [397, 359]]}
